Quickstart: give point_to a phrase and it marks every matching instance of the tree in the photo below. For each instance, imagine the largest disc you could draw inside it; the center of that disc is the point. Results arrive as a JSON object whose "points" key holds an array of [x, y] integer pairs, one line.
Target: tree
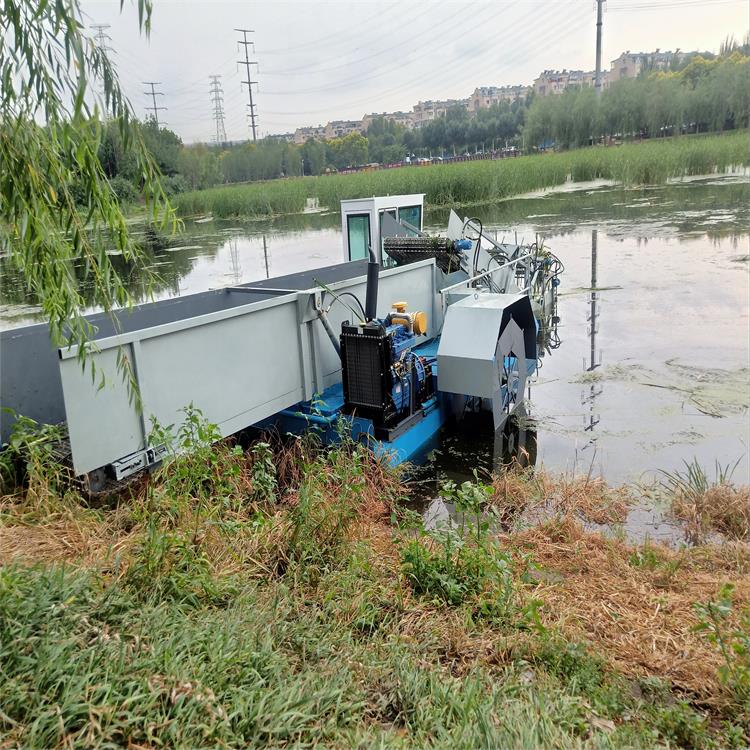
{"points": [[704, 94], [163, 144], [314, 157], [200, 166], [58, 213], [349, 151]]}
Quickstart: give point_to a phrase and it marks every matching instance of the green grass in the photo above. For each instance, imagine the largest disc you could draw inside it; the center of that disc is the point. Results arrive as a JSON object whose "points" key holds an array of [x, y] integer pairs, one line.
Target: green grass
{"points": [[90, 663], [276, 597], [650, 162]]}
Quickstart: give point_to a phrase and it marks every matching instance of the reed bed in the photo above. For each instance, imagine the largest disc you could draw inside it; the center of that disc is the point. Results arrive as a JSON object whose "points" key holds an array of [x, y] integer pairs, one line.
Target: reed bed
{"points": [[646, 163]]}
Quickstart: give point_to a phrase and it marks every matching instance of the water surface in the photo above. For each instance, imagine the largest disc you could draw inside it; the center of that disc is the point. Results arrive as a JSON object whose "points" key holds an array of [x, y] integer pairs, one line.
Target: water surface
{"points": [[649, 362]]}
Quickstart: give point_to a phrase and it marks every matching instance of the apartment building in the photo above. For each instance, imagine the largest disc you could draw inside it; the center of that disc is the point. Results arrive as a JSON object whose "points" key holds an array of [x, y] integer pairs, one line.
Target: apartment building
{"points": [[302, 135], [557, 81], [400, 118], [632, 64], [340, 128], [486, 96], [427, 111]]}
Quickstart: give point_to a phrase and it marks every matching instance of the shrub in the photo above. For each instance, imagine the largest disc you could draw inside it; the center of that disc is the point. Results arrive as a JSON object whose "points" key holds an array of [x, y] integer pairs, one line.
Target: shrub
{"points": [[124, 189]]}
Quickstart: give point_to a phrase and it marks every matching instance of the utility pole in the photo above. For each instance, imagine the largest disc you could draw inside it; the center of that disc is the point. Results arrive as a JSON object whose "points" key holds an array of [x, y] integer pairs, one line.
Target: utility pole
{"points": [[598, 79], [265, 255], [217, 99], [153, 93], [247, 62]]}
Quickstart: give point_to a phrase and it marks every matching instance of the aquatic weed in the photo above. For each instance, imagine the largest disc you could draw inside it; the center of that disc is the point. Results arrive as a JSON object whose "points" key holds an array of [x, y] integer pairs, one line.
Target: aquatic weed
{"points": [[707, 505]]}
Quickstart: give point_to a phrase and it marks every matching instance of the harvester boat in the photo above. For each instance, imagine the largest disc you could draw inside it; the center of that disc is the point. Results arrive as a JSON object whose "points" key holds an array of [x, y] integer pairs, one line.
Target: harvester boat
{"points": [[407, 333]]}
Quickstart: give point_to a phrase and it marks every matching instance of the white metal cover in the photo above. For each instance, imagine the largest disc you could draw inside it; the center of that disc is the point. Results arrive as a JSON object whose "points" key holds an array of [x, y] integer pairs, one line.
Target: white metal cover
{"points": [[466, 354]]}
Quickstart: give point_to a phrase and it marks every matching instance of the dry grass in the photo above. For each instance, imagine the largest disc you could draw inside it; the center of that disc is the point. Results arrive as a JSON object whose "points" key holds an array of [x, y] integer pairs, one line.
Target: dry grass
{"points": [[722, 508], [640, 618], [38, 525], [539, 496]]}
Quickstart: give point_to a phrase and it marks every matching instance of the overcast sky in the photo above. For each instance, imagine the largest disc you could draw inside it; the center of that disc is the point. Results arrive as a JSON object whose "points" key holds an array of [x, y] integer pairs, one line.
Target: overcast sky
{"points": [[319, 61]]}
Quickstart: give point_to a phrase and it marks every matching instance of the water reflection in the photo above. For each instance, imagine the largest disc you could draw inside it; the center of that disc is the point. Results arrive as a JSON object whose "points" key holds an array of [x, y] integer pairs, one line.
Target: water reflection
{"points": [[218, 253], [588, 400]]}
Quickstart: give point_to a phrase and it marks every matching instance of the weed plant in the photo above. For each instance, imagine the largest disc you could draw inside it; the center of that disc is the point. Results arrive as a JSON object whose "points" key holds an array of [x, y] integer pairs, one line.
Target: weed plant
{"points": [[463, 564], [34, 458], [260, 601], [733, 642], [707, 505]]}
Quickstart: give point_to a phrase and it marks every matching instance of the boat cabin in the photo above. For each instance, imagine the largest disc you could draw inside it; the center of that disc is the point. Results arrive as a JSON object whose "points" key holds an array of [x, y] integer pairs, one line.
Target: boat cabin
{"points": [[366, 221]]}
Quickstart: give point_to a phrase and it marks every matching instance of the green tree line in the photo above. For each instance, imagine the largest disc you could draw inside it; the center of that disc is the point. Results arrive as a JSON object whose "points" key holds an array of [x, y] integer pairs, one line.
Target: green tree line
{"points": [[705, 94]]}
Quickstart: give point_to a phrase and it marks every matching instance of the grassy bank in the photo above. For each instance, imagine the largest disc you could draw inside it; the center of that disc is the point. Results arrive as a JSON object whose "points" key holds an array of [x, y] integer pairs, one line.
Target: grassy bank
{"points": [[650, 162], [282, 597]]}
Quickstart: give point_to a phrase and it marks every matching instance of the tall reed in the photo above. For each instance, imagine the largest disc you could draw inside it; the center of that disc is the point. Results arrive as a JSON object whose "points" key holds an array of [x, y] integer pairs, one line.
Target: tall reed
{"points": [[646, 163]]}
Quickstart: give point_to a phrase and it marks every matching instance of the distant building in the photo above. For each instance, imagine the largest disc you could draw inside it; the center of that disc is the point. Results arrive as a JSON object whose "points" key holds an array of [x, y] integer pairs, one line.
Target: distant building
{"points": [[486, 96], [427, 111], [288, 137], [340, 128], [557, 81], [302, 135], [632, 64], [400, 118]]}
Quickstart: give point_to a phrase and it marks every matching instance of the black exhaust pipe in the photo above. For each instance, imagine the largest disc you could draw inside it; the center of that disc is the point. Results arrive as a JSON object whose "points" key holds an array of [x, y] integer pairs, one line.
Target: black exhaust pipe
{"points": [[371, 298]]}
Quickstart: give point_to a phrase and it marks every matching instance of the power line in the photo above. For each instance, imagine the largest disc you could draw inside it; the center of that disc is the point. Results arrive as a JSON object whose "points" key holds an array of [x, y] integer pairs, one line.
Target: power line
{"points": [[153, 93], [334, 37], [567, 22], [702, 4], [312, 68], [217, 98], [247, 63]]}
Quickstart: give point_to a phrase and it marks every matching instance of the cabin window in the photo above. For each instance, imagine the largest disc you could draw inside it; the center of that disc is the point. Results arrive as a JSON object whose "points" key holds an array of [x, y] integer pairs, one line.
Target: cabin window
{"points": [[358, 230], [411, 215], [385, 260]]}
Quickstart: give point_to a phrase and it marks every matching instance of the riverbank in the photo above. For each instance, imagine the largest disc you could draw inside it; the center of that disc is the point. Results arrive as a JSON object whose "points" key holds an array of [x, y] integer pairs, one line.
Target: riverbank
{"points": [[283, 596], [646, 163]]}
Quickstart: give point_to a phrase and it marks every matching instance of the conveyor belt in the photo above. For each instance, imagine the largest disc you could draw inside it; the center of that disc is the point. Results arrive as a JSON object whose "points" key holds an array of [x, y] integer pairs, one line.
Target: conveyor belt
{"points": [[309, 279], [412, 249]]}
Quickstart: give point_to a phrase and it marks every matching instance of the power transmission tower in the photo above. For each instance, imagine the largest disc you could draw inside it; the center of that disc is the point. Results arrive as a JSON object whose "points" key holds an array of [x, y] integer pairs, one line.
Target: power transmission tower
{"points": [[102, 38], [598, 79], [247, 62], [217, 98], [153, 94]]}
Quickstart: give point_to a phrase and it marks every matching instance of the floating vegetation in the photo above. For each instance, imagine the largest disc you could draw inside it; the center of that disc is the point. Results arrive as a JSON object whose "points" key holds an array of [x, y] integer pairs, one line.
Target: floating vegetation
{"points": [[712, 391], [179, 248]]}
